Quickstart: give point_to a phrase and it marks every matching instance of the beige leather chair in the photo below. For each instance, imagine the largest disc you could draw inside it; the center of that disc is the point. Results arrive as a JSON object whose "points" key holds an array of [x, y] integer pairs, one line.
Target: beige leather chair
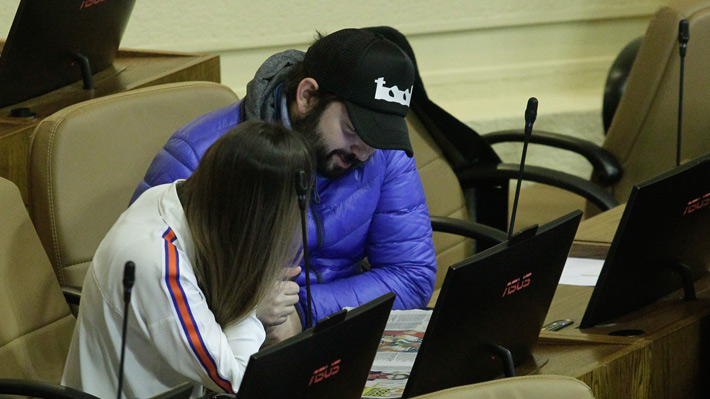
{"points": [[527, 387], [640, 141], [36, 321], [642, 135], [87, 159], [444, 161], [443, 194]]}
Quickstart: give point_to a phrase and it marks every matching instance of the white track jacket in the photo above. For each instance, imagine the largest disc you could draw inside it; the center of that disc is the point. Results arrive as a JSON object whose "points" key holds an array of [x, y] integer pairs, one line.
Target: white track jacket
{"points": [[172, 335]]}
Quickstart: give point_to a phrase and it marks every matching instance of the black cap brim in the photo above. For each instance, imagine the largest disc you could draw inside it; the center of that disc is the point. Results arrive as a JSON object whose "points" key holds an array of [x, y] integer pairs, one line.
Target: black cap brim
{"points": [[380, 130]]}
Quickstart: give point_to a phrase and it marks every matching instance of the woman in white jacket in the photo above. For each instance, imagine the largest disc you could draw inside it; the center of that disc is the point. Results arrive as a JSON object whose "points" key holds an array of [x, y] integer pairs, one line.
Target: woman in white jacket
{"points": [[209, 254]]}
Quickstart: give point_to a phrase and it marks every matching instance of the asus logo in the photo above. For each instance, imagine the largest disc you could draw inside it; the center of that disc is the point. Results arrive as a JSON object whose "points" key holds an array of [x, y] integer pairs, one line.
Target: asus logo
{"points": [[517, 285], [325, 372], [694, 205], [89, 3]]}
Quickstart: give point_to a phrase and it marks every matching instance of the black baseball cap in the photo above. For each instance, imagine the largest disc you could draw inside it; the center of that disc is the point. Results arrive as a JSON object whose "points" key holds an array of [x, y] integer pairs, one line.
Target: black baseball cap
{"points": [[374, 78]]}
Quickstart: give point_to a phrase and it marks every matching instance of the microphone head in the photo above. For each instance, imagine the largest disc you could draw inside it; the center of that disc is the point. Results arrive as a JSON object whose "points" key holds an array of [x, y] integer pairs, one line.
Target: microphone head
{"points": [[301, 183], [129, 274], [301, 188], [531, 112], [683, 31]]}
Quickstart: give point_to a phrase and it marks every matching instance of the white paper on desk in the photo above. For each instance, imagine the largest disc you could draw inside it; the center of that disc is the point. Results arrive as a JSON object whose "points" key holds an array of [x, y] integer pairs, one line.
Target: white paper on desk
{"points": [[581, 271]]}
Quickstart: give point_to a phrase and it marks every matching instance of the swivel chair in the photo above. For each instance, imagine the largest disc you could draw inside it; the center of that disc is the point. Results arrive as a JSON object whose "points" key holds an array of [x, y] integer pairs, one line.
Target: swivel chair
{"points": [[86, 159], [640, 105], [640, 138], [642, 133], [464, 179], [37, 323]]}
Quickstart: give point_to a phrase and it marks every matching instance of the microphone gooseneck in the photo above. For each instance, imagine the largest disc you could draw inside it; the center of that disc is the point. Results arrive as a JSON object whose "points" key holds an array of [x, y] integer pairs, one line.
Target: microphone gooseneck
{"points": [[129, 277], [530, 116], [683, 38], [302, 186]]}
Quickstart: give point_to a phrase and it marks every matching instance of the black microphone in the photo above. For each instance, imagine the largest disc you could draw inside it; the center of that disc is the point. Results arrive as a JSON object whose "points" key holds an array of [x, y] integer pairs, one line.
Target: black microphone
{"points": [[683, 37], [301, 189], [129, 277], [530, 116], [302, 186]]}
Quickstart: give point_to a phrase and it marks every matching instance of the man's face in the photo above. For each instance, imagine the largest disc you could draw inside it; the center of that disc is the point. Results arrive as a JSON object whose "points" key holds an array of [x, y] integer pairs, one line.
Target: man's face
{"points": [[338, 148]]}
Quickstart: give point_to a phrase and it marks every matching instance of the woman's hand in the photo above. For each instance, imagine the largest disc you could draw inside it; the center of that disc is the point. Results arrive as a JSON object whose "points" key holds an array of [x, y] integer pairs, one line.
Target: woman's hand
{"points": [[275, 309]]}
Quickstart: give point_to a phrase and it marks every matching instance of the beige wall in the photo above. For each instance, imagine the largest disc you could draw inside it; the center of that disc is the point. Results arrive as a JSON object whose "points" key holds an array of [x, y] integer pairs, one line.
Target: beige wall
{"points": [[480, 59]]}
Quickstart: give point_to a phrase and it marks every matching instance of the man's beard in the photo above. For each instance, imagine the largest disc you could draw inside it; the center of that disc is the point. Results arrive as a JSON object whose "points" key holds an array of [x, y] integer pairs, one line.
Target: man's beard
{"points": [[308, 127]]}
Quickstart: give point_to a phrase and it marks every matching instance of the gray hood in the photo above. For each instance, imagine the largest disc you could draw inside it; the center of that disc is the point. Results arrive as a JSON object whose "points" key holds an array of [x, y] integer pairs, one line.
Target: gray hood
{"points": [[259, 100]]}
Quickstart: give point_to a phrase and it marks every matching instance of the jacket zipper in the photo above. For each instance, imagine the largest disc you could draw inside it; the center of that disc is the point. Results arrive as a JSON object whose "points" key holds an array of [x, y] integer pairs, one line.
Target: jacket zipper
{"points": [[319, 226]]}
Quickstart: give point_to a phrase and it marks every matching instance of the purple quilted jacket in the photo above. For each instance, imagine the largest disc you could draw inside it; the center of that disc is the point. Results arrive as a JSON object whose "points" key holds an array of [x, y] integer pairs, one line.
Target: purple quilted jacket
{"points": [[377, 211]]}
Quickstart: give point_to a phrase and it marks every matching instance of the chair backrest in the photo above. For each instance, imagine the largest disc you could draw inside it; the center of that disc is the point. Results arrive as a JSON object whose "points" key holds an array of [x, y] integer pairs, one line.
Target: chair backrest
{"points": [[642, 135], [443, 195], [37, 323], [87, 159], [527, 387]]}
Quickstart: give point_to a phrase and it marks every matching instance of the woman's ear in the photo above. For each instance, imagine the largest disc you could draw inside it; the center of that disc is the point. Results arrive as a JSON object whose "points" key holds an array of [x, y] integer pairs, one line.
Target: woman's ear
{"points": [[305, 98]]}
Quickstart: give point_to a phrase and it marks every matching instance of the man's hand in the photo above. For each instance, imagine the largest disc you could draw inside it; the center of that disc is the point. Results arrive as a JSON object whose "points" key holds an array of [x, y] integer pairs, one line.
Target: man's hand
{"points": [[278, 333], [276, 308]]}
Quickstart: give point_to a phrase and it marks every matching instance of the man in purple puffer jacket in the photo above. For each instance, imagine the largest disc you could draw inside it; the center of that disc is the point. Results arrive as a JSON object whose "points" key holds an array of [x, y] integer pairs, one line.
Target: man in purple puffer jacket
{"points": [[348, 95]]}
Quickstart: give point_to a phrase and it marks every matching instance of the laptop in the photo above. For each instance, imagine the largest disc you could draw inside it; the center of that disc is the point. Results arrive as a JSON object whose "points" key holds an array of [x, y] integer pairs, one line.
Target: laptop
{"points": [[330, 360], [660, 245], [491, 308], [46, 37]]}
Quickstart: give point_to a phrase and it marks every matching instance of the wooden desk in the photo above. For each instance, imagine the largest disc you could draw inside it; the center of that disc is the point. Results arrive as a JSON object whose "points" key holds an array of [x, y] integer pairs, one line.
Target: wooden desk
{"points": [[595, 234], [132, 69], [614, 369], [669, 360], [671, 357]]}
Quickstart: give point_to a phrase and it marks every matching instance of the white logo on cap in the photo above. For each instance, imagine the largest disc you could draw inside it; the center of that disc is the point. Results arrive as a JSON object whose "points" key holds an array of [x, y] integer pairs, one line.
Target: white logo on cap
{"points": [[392, 94]]}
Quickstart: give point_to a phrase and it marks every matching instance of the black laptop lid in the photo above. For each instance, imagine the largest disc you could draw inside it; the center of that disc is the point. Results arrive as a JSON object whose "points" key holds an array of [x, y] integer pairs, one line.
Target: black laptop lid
{"points": [[500, 296], [38, 54], [331, 360], [666, 222]]}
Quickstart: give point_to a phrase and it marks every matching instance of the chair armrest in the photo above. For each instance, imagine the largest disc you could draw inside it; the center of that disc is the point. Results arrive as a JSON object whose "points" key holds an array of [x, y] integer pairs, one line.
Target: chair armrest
{"points": [[504, 171], [39, 389], [460, 227], [72, 294], [606, 168]]}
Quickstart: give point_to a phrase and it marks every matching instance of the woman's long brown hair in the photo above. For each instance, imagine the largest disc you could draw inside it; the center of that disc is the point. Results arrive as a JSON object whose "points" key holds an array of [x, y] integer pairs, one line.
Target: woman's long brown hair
{"points": [[242, 210]]}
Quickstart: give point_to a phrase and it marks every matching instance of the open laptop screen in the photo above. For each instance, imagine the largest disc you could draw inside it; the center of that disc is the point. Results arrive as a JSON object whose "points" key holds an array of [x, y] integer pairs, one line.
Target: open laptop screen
{"points": [[330, 360], [666, 224], [496, 298], [40, 52]]}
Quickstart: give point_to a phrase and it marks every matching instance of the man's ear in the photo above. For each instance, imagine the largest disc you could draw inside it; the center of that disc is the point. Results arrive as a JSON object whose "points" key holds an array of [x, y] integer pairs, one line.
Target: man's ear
{"points": [[305, 96]]}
